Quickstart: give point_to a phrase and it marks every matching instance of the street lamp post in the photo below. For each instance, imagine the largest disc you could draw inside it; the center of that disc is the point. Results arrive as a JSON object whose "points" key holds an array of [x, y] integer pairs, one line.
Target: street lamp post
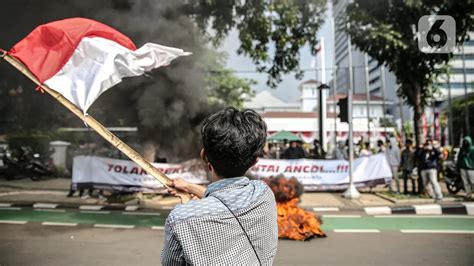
{"points": [[322, 115], [351, 192]]}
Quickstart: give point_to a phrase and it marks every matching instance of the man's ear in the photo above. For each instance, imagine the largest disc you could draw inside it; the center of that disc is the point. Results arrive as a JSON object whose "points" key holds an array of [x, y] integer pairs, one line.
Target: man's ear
{"points": [[203, 155]]}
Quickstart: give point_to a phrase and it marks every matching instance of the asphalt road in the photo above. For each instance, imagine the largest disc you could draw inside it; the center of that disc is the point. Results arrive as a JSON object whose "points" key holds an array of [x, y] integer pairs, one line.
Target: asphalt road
{"points": [[36, 244]]}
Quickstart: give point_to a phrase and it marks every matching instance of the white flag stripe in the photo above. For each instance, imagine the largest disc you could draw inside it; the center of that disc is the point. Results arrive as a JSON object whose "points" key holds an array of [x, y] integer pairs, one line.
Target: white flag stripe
{"points": [[98, 64]]}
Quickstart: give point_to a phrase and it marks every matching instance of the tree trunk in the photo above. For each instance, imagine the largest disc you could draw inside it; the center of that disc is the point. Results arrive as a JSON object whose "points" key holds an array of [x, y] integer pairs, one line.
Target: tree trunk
{"points": [[418, 111], [149, 150]]}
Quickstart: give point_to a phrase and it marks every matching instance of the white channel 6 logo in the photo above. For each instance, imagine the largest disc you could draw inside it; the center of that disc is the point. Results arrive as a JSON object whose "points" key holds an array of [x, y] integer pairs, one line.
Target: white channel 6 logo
{"points": [[436, 34]]}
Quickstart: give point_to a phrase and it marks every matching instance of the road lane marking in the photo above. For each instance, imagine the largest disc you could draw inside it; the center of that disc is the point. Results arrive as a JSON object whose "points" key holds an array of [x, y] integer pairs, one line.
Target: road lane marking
{"points": [[340, 216], [11, 208], [45, 205], [378, 210], [158, 227], [58, 224], [325, 209], [91, 207], [469, 207], [142, 213], [118, 226], [415, 231], [425, 216], [3, 205], [96, 212], [49, 210], [356, 231], [131, 208], [428, 209], [12, 222]]}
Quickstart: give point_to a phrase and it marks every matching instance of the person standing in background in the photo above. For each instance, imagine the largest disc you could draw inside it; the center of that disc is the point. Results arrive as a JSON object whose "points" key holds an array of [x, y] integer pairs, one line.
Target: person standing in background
{"points": [[392, 153], [407, 165], [465, 164], [428, 160]]}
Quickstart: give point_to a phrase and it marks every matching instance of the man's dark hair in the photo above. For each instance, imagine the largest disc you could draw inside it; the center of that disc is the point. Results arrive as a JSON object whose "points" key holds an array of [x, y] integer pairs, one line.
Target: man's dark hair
{"points": [[233, 140]]}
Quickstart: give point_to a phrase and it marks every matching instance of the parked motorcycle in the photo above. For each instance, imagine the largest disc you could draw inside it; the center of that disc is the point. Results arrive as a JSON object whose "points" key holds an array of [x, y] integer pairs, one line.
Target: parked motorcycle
{"points": [[24, 164], [453, 179]]}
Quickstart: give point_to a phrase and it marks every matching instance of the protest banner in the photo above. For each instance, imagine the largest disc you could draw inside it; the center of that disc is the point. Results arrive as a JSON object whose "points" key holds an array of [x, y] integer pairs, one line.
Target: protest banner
{"points": [[315, 175]]}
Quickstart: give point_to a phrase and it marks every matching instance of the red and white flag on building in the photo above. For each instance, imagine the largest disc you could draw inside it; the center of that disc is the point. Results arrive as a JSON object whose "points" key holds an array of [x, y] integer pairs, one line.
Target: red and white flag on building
{"points": [[82, 58]]}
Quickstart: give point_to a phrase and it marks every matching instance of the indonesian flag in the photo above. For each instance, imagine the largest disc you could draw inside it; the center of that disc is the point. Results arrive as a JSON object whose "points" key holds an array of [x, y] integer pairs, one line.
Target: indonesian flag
{"points": [[81, 58]]}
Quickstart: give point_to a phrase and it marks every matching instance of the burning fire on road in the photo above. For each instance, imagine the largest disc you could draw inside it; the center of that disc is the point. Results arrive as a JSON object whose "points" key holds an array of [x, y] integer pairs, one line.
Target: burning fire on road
{"points": [[293, 222]]}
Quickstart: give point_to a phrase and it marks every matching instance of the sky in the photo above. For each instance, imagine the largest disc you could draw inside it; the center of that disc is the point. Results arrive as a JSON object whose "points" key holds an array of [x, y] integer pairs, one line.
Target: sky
{"points": [[287, 90]]}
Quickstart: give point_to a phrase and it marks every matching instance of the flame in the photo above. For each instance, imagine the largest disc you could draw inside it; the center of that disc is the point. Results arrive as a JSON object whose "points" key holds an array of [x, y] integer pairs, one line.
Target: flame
{"points": [[293, 222]]}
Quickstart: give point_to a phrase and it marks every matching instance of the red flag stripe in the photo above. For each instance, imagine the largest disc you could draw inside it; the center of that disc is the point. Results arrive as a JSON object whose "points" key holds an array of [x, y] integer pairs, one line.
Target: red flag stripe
{"points": [[48, 47]]}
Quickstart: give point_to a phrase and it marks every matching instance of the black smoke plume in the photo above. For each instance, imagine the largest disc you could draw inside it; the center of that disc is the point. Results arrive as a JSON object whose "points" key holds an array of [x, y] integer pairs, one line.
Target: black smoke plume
{"points": [[168, 105]]}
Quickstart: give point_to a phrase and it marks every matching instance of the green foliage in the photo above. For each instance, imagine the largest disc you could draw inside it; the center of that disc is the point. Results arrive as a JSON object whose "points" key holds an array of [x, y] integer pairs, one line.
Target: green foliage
{"points": [[225, 88], [386, 31], [279, 27], [38, 141], [459, 114]]}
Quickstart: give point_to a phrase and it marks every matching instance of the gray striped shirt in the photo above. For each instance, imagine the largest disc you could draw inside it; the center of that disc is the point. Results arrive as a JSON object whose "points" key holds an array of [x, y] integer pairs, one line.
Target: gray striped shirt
{"points": [[205, 232]]}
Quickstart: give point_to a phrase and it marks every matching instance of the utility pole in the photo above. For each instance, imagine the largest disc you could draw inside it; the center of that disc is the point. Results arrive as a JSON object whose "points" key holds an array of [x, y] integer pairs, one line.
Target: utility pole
{"points": [[351, 191], [367, 92], [450, 111], [382, 77], [466, 97], [334, 79]]}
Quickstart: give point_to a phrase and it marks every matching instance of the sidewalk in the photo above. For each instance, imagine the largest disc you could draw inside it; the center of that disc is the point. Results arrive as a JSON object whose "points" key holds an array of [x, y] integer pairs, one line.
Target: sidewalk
{"points": [[54, 191]]}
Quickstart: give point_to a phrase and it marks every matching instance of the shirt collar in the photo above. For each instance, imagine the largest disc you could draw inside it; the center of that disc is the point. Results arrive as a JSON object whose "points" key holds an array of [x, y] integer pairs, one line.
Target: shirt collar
{"points": [[226, 183]]}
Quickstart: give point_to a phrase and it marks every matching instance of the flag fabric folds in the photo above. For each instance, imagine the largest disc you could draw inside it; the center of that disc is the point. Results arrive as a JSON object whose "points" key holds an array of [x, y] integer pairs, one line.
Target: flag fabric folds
{"points": [[82, 58]]}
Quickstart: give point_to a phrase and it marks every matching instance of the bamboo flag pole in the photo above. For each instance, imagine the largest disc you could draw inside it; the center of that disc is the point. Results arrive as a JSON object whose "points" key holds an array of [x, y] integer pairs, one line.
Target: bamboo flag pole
{"points": [[94, 124]]}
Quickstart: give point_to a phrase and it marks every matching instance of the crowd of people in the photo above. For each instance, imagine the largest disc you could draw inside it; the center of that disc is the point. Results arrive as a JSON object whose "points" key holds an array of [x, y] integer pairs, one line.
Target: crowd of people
{"points": [[419, 167]]}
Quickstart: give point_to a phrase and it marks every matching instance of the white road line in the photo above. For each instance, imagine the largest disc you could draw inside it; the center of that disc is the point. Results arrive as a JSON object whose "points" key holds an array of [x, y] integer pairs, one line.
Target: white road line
{"points": [[142, 213], [131, 207], [59, 224], [158, 227], [12, 222], [428, 209], [325, 209], [378, 210], [461, 216], [91, 207], [10, 208], [118, 226], [356, 231], [96, 212], [3, 205], [410, 231], [50, 210], [469, 207], [340, 216], [45, 205]]}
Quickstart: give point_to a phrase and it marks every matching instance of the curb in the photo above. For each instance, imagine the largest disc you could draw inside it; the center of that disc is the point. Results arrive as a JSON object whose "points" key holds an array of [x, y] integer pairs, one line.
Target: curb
{"points": [[466, 208], [85, 207]]}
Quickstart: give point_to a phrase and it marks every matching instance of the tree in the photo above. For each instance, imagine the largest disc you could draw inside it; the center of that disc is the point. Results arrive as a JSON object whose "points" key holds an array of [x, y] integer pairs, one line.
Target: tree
{"points": [[280, 27], [386, 30], [169, 104], [225, 88]]}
